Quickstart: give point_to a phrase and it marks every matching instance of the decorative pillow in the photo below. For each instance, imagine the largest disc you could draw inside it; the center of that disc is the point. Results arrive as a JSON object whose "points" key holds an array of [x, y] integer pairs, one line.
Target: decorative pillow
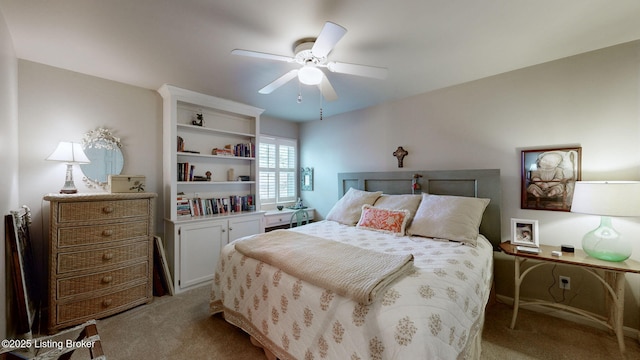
{"points": [[385, 220], [400, 202], [455, 218], [348, 209]]}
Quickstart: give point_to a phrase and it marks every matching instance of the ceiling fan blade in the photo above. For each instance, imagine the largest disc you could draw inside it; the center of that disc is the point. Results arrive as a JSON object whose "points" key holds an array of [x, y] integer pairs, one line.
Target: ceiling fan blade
{"points": [[359, 70], [329, 36], [261, 55], [327, 90], [279, 82]]}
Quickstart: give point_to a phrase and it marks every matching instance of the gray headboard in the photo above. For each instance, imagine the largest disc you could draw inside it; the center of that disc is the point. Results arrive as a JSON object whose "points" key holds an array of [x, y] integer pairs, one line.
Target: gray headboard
{"points": [[473, 183]]}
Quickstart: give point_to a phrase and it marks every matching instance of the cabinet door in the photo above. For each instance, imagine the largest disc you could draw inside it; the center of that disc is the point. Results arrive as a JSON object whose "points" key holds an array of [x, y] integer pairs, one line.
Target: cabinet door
{"points": [[245, 226], [200, 246]]}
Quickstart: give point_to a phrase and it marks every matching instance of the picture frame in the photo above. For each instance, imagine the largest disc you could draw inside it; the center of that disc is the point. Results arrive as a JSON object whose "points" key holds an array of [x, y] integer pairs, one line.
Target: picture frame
{"points": [[306, 179], [548, 178], [525, 232], [21, 264]]}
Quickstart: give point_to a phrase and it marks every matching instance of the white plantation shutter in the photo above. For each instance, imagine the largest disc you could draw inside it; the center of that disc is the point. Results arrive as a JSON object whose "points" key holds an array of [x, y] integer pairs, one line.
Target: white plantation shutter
{"points": [[277, 170]]}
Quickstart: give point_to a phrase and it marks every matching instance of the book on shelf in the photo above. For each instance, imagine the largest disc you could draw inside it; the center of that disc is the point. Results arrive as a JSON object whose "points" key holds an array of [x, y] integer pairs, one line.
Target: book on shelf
{"points": [[213, 206], [239, 150], [185, 171]]}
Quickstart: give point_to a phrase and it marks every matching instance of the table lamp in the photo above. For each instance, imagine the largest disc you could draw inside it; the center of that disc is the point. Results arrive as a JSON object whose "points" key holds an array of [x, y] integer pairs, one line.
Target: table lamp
{"points": [[69, 153], [607, 199]]}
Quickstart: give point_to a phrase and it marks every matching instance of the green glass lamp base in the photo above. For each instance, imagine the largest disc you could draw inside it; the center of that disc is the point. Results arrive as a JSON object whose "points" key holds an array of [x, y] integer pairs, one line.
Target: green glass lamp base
{"points": [[605, 243]]}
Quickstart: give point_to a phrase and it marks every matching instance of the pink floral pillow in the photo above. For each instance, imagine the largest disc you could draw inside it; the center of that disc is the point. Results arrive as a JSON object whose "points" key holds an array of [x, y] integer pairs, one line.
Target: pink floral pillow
{"points": [[385, 220]]}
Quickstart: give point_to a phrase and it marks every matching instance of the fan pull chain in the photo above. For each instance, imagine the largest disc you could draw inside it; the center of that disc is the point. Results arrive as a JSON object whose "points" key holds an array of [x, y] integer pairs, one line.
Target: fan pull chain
{"points": [[321, 105]]}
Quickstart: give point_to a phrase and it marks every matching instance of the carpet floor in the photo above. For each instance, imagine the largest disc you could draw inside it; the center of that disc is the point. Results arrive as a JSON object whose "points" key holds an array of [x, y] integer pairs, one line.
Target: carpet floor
{"points": [[180, 327]]}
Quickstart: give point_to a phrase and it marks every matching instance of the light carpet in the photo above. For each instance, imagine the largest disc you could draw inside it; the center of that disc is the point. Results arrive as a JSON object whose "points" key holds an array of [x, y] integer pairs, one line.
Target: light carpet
{"points": [[180, 327]]}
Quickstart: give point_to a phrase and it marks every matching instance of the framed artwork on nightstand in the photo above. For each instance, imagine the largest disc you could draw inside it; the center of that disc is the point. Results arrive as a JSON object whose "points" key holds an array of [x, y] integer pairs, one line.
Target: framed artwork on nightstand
{"points": [[524, 232]]}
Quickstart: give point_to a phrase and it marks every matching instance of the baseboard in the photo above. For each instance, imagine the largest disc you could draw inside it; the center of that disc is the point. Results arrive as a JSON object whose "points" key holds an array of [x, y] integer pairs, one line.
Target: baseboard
{"points": [[566, 315]]}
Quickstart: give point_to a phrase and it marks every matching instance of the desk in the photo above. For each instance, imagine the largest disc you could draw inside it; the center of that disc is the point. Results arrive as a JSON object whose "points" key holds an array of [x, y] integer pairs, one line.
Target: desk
{"points": [[280, 219], [612, 279]]}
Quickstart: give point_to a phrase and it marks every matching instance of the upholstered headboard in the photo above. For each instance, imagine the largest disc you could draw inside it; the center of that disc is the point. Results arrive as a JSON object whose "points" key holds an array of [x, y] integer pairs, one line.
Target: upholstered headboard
{"points": [[472, 183]]}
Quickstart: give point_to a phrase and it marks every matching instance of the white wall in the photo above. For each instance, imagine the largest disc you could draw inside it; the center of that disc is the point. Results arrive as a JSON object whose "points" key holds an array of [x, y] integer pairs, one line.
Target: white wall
{"points": [[591, 100], [56, 105], [8, 152]]}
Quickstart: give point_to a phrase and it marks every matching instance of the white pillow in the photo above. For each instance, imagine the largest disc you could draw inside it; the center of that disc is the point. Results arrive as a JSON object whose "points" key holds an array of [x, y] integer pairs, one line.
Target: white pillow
{"points": [[348, 209], [455, 218], [400, 202]]}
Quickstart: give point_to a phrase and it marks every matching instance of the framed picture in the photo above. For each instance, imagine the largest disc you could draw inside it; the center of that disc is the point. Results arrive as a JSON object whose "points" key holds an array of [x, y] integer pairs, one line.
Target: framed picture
{"points": [[549, 177], [524, 232], [21, 264], [306, 179]]}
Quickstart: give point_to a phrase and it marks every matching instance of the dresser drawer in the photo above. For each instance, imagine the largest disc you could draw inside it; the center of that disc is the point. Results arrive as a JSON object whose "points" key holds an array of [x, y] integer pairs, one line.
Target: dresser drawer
{"points": [[95, 259], [104, 280], [97, 234], [102, 210], [102, 305]]}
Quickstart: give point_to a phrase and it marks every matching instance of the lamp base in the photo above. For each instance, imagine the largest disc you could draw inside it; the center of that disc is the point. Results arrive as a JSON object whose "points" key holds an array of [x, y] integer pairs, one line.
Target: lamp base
{"points": [[69, 186], [605, 243]]}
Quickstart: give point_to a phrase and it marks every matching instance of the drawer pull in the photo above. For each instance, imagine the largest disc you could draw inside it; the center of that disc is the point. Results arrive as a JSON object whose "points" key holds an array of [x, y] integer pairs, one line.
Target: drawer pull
{"points": [[107, 279], [106, 302], [107, 209], [107, 232], [107, 256]]}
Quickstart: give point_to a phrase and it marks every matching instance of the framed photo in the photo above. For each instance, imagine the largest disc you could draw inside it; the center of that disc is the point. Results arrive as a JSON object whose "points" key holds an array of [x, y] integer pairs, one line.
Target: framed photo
{"points": [[524, 232], [549, 177]]}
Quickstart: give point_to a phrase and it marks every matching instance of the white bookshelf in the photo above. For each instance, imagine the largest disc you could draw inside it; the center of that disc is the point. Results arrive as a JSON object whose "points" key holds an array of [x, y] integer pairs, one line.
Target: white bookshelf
{"points": [[191, 242]]}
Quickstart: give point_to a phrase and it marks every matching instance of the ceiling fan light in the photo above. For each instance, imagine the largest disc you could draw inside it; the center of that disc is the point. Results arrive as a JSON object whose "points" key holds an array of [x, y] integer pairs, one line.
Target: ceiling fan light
{"points": [[310, 75]]}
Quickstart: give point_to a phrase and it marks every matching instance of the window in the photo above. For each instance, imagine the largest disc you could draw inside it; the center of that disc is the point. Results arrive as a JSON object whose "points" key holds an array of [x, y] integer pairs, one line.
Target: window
{"points": [[277, 165]]}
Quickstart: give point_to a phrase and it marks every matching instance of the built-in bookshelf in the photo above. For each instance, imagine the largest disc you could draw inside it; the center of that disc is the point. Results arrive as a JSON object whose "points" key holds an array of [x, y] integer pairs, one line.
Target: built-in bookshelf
{"points": [[210, 180], [209, 153]]}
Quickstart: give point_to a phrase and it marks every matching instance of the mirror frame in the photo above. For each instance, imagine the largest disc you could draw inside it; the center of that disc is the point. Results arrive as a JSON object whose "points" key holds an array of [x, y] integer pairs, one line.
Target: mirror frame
{"points": [[101, 138], [306, 179]]}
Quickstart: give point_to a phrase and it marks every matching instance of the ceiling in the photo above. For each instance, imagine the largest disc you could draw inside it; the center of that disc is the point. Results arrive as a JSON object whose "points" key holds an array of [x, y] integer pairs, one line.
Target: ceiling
{"points": [[425, 44]]}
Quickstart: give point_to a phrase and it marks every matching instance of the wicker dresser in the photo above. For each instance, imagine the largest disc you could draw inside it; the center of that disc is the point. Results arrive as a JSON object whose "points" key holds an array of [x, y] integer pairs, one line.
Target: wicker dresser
{"points": [[100, 255]]}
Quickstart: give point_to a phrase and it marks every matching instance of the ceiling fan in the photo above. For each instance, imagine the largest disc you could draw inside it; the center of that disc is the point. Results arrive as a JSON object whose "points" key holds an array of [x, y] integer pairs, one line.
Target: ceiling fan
{"points": [[312, 55]]}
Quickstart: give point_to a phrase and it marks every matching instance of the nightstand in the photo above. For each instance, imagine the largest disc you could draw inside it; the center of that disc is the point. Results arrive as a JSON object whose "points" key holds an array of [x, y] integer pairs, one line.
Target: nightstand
{"points": [[612, 279]]}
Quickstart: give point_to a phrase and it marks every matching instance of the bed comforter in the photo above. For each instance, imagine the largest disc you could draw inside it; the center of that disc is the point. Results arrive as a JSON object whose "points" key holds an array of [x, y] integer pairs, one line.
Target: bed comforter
{"points": [[436, 312]]}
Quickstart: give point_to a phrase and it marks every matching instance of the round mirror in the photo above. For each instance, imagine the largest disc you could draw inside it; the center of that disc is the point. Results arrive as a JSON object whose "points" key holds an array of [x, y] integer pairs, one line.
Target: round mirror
{"points": [[103, 149]]}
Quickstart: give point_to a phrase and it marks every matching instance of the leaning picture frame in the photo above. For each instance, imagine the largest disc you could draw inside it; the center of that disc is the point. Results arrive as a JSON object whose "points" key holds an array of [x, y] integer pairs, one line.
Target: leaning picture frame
{"points": [[548, 177], [525, 232], [21, 266]]}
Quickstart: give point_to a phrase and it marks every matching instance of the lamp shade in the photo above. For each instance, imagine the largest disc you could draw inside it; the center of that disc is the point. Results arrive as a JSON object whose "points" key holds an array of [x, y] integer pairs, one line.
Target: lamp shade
{"points": [[69, 152], [608, 198]]}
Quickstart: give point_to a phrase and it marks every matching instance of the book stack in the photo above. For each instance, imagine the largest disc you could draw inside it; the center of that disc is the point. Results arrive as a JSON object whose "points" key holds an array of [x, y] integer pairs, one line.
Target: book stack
{"points": [[226, 151], [185, 171], [239, 150], [213, 206], [244, 150]]}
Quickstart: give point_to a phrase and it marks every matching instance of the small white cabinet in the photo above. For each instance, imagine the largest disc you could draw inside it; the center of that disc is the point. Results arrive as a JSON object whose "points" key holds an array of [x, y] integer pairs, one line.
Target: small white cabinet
{"points": [[193, 247]]}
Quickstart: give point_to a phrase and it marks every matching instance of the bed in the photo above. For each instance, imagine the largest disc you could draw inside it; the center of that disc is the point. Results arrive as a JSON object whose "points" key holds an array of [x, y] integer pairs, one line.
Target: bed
{"points": [[429, 305]]}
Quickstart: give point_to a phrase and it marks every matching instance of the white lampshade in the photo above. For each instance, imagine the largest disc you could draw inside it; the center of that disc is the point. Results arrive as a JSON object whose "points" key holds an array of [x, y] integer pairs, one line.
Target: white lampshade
{"points": [[609, 198], [69, 152], [310, 75]]}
